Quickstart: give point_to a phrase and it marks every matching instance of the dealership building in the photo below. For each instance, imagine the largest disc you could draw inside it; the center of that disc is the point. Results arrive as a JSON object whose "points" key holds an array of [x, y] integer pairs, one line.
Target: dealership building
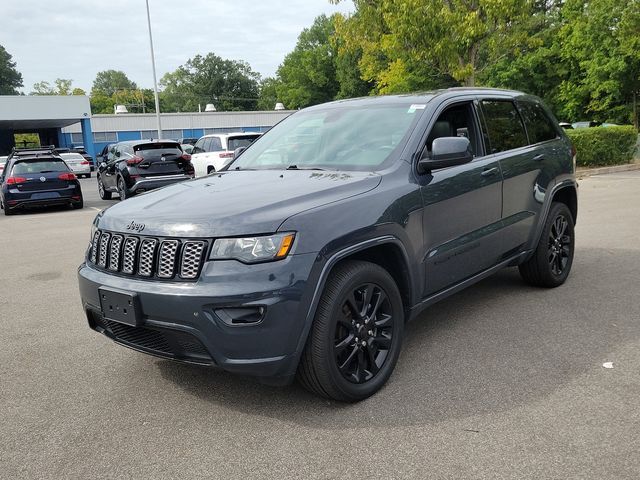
{"points": [[66, 121]]}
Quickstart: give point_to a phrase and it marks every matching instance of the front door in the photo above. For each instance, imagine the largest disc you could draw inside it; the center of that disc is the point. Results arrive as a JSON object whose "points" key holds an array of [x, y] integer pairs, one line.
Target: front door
{"points": [[462, 206]]}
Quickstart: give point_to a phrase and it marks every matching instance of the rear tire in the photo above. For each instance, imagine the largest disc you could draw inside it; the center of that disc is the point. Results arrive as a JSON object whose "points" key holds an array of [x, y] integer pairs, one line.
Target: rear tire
{"points": [[104, 195], [550, 264], [356, 335], [122, 189]]}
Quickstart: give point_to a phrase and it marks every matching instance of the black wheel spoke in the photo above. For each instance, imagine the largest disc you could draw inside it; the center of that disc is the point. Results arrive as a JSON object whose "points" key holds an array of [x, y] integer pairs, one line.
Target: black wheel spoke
{"points": [[371, 355], [380, 298], [363, 333], [345, 365], [366, 299], [340, 346], [382, 342]]}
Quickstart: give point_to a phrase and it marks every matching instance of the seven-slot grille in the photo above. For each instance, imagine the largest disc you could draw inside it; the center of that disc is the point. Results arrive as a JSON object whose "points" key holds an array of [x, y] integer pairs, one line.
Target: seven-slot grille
{"points": [[148, 257]]}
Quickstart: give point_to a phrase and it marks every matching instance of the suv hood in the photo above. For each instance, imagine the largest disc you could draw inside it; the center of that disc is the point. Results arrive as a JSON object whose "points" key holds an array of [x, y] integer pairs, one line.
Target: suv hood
{"points": [[233, 203]]}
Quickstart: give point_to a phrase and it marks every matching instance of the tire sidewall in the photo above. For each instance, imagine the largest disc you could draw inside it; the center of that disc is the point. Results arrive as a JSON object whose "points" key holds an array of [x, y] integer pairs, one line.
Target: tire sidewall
{"points": [[367, 273], [543, 250]]}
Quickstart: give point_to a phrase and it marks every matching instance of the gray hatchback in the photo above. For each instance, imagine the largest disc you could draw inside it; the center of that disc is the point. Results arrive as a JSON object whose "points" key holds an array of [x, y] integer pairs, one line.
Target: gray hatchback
{"points": [[310, 252]]}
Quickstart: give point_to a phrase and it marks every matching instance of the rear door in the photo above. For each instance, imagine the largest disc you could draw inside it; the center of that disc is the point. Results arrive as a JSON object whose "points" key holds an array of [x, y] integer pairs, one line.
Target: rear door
{"points": [[159, 158], [522, 161]]}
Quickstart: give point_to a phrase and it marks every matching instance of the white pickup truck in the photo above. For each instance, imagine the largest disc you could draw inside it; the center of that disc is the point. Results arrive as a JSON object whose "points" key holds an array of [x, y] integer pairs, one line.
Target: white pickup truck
{"points": [[213, 152]]}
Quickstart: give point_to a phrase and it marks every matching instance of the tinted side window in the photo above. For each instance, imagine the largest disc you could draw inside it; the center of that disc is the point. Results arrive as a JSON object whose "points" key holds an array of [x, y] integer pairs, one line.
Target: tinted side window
{"points": [[539, 125], [504, 126]]}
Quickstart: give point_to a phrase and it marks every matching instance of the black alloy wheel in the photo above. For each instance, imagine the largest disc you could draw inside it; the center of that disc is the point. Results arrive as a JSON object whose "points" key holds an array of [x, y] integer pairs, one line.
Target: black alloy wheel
{"points": [[356, 335], [559, 245], [363, 335], [550, 264]]}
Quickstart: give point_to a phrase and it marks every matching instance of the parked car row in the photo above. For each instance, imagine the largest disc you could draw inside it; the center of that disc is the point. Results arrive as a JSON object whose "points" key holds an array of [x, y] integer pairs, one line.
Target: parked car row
{"points": [[131, 167]]}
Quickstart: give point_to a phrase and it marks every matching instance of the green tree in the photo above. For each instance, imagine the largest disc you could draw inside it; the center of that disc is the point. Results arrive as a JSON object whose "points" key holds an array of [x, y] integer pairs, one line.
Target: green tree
{"points": [[413, 44], [307, 75], [109, 82], [268, 94], [61, 86], [228, 84], [10, 78]]}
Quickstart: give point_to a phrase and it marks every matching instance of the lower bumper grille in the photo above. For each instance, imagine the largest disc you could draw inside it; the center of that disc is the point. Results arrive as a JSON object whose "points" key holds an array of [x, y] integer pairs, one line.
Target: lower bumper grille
{"points": [[162, 342]]}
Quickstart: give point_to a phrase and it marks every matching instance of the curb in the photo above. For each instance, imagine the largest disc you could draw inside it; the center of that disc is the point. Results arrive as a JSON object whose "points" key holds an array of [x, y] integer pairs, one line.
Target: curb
{"points": [[588, 172]]}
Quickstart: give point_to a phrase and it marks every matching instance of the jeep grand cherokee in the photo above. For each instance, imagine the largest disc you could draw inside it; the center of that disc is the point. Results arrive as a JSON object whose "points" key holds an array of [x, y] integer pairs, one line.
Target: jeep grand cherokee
{"points": [[310, 252]]}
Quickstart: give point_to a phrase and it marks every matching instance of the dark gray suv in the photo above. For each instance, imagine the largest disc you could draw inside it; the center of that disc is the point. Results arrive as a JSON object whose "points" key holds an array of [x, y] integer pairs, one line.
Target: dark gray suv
{"points": [[310, 252]]}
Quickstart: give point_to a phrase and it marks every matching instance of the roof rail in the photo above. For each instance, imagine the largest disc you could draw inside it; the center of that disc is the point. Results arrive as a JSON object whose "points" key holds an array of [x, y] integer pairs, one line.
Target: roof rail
{"points": [[45, 150]]}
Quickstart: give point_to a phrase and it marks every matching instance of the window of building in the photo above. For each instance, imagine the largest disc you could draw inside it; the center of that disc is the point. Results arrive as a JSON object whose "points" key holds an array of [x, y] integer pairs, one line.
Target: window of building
{"points": [[172, 134], [76, 138], [104, 137], [504, 126]]}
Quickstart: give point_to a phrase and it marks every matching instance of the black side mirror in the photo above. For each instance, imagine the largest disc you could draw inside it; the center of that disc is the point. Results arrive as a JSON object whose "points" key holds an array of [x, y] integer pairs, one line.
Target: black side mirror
{"points": [[238, 151], [446, 152]]}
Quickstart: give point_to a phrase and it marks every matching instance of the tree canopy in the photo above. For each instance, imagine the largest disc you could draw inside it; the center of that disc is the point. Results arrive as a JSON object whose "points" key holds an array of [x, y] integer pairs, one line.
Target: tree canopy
{"points": [[109, 82], [228, 84], [10, 78]]}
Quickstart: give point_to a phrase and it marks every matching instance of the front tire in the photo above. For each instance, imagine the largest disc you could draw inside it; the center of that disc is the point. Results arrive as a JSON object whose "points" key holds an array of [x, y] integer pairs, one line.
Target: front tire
{"points": [[356, 335], [551, 262], [104, 195]]}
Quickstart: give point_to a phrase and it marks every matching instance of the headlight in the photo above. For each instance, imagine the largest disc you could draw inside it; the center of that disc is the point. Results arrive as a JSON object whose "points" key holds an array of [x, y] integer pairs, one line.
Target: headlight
{"points": [[253, 249]]}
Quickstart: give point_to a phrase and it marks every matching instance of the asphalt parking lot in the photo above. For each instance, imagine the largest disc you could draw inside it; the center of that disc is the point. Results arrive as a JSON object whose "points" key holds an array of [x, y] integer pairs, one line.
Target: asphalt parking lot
{"points": [[499, 381]]}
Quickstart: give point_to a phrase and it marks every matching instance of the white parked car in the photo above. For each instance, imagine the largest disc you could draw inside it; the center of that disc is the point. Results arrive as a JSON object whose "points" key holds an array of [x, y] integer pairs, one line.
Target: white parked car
{"points": [[77, 163], [213, 152], [3, 161]]}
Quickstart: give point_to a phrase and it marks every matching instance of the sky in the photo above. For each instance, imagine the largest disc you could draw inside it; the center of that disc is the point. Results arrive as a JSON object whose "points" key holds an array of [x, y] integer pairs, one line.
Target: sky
{"points": [[75, 39]]}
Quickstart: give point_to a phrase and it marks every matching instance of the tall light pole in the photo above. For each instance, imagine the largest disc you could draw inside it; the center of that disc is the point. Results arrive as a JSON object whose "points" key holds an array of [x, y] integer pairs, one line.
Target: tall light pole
{"points": [[155, 81]]}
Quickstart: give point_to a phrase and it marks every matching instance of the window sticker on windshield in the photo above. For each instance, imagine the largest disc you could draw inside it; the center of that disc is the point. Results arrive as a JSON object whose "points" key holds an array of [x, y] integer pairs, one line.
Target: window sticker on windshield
{"points": [[416, 106]]}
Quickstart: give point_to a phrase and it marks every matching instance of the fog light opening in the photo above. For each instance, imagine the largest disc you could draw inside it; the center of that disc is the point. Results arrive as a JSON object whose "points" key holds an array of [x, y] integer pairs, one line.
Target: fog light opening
{"points": [[241, 315]]}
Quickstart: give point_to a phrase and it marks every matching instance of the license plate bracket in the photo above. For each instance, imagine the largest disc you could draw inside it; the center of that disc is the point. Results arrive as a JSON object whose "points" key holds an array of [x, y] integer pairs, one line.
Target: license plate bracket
{"points": [[120, 306]]}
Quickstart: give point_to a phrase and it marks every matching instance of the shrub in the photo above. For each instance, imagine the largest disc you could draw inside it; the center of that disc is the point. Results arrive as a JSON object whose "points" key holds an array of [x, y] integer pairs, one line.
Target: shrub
{"points": [[600, 146]]}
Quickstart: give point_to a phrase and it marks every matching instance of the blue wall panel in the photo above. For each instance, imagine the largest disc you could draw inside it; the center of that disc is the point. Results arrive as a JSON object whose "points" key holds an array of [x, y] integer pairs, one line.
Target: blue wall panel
{"points": [[124, 136]]}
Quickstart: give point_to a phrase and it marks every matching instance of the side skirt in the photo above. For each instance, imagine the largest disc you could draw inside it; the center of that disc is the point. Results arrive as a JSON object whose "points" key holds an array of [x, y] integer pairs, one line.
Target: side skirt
{"points": [[442, 294]]}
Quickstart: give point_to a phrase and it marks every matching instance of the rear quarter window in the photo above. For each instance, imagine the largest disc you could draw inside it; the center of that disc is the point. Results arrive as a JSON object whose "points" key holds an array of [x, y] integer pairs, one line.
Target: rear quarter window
{"points": [[237, 142], [540, 127], [504, 126]]}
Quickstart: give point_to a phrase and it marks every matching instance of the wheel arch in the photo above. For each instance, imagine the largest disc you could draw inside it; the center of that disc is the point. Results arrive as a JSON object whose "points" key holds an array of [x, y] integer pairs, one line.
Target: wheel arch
{"points": [[569, 197]]}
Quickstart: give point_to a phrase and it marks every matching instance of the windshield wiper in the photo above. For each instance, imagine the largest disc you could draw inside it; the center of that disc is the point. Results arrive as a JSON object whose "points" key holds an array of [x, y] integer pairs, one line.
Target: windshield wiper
{"points": [[295, 167]]}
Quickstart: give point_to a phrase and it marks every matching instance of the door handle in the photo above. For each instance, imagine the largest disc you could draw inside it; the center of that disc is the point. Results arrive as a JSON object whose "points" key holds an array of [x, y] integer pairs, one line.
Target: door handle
{"points": [[539, 157], [489, 172]]}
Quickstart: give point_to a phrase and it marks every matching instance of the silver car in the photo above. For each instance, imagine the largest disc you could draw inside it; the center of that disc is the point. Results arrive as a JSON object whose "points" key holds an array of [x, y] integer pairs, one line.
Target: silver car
{"points": [[78, 164]]}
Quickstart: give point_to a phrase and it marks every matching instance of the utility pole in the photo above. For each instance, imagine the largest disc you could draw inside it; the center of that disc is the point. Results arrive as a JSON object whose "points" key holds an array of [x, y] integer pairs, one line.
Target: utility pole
{"points": [[153, 66]]}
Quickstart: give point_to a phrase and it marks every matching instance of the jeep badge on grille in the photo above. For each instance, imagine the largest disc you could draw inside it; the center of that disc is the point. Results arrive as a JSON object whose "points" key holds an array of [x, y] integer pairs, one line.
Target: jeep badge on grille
{"points": [[137, 227]]}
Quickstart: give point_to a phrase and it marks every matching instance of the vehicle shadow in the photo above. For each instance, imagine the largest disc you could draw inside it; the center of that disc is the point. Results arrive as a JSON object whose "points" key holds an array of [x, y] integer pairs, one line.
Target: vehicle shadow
{"points": [[493, 347]]}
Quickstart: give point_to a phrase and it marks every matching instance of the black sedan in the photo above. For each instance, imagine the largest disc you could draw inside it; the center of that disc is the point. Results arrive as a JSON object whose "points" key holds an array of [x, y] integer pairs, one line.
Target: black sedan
{"points": [[37, 178]]}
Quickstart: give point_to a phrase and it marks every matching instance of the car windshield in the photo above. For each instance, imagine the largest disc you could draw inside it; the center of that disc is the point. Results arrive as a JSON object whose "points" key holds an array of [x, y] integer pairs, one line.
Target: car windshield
{"points": [[39, 166], [342, 137]]}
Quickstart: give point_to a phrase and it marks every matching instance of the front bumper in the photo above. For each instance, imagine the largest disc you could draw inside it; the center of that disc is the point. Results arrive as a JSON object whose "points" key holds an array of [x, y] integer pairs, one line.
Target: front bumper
{"points": [[180, 319], [149, 183]]}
